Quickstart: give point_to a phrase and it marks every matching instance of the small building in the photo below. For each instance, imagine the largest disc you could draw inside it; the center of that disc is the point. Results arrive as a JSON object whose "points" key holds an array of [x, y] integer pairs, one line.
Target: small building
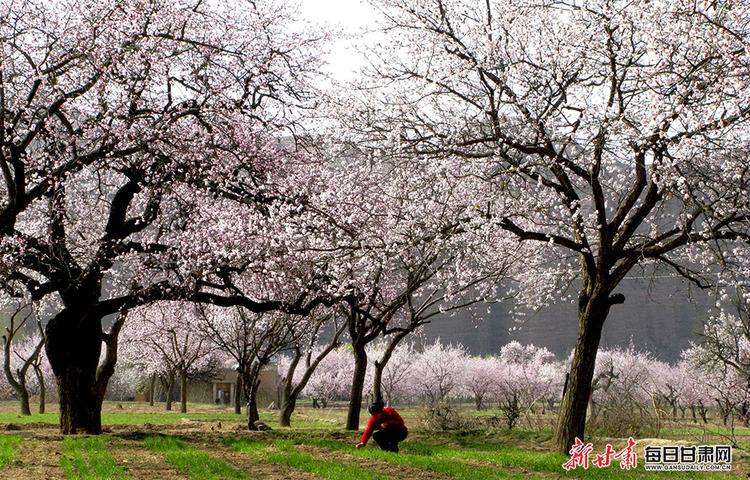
{"points": [[222, 388]]}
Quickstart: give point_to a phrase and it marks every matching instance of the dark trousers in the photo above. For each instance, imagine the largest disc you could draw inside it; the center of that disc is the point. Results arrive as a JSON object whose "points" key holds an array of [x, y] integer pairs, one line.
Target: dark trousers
{"points": [[388, 438]]}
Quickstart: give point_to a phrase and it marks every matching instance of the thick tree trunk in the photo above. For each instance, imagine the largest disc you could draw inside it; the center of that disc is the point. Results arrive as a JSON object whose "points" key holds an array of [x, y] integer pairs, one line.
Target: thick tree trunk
{"points": [[183, 391], [358, 385], [571, 421], [80, 408], [74, 341]]}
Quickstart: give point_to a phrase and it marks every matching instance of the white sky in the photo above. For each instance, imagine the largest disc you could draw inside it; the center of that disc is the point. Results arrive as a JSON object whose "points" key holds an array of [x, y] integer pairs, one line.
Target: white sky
{"points": [[351, 16]]}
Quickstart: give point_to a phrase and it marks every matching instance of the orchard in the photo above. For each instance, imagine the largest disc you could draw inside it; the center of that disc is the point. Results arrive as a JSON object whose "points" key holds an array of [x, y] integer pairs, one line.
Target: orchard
{"points": [[185, 188]]}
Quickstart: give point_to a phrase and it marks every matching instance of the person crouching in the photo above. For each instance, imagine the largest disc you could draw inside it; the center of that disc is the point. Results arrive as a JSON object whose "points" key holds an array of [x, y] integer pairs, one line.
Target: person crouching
{"points": [[386, 427]]}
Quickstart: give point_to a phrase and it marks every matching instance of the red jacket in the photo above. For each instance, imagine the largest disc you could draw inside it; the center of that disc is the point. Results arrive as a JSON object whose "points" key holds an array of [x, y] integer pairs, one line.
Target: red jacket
{"points": [[382, 420]]}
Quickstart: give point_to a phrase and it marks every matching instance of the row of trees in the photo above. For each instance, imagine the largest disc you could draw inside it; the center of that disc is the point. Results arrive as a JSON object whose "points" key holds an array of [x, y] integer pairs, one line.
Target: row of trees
{"points": [[631, 388], [632, 391], [171, 151]]}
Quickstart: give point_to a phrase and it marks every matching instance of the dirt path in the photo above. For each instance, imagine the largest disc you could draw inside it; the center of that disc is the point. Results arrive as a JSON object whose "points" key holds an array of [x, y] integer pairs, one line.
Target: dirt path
{"points": [[142, 464], [394, 471], [41, 458], [256, 468]]}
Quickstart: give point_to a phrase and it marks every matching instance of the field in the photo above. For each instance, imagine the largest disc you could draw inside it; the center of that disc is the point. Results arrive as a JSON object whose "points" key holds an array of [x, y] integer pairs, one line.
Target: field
{"points": [[142, 442]]}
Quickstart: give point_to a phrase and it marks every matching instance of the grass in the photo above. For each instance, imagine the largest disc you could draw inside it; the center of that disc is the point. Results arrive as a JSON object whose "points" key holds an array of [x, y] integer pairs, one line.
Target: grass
{"points": [[166, 418], [318, 444], [33, 418], [196, 464], [89, 458], [8, 449], [444, 465], [476, 458], [174, 417], [284, 452]]}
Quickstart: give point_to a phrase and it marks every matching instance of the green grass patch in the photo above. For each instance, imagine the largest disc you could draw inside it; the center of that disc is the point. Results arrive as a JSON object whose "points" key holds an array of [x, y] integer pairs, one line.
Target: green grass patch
{"points": [[167, 418], [9, 452], [251, 447], [89, 458], [33, 418], [542, 462], [194, 463], [172, 418], [285, 453], [493, 457], [443, 465]]}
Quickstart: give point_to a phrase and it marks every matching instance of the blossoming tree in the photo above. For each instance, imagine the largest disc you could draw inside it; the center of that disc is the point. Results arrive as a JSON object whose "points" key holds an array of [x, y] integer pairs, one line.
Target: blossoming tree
{"points": [[612, 136], [109, 113], [252, 340], [398, 247], [168, 338], [23, 350], [307, 353]]}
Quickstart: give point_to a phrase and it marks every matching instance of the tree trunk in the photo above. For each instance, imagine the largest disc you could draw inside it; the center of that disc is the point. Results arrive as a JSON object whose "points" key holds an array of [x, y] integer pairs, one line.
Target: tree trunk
{"points": [[183, 391], [169, 389], [80, 408], [290, 392], [19, 385], [377, 384], [358, 385], [252, 407], [74, 340], [152, 392], [571, 420], [252, 382], [288, 404], [238, 395], [24, 399], [107, 367], [42, 388]]}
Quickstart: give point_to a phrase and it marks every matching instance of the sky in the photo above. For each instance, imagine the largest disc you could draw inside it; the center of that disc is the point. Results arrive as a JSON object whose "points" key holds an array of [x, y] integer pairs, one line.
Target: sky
{"points": [[350, 16]]}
